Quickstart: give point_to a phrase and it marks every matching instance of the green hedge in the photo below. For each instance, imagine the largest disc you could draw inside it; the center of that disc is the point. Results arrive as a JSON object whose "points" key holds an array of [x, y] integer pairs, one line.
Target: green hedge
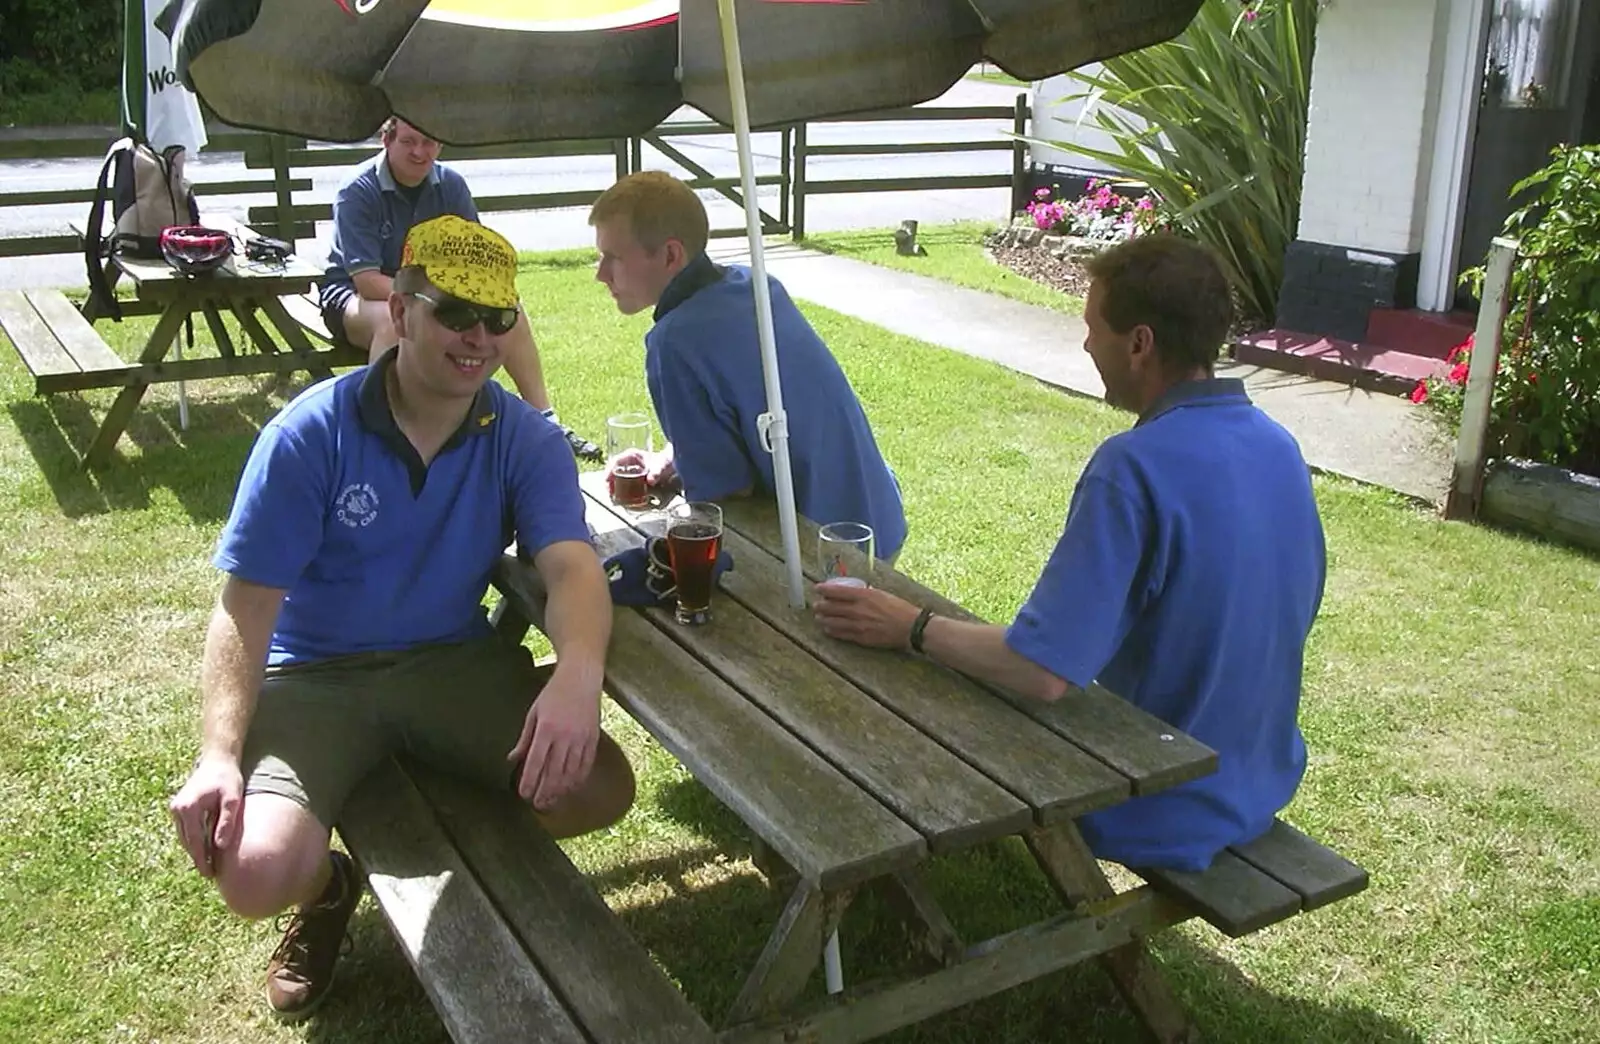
{"points": [[47, 45]]}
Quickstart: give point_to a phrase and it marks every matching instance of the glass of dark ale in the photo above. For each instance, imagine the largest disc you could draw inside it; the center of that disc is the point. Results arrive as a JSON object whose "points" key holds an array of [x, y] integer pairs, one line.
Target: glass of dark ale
{"points": [[694, 539], [627, 442], [844, 554]]}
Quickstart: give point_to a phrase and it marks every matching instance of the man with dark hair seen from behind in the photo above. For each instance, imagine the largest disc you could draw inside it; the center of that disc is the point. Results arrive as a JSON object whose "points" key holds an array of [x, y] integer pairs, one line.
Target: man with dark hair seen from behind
{"points": [[350, 626], [702, 364], [1187, 576], [405, 185]]}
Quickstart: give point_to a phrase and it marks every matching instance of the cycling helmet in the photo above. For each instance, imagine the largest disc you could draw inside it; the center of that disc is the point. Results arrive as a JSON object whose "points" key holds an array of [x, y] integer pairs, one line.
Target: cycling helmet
{"points": [[193, 249]]}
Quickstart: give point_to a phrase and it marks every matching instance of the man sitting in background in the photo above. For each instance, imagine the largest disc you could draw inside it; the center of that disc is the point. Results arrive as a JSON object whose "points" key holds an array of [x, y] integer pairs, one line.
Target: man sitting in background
{"points": [[405, 185]]}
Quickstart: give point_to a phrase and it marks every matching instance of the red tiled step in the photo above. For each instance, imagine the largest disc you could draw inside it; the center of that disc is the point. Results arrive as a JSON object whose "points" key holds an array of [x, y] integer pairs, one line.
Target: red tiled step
{"points": [[1329, 359], [1416, 332]]}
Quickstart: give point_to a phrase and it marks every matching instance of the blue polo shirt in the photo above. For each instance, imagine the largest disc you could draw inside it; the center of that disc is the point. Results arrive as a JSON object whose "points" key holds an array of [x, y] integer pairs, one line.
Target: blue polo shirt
{"points": [[376, 550], [372, 214], [1186, 581], [703, 367]]}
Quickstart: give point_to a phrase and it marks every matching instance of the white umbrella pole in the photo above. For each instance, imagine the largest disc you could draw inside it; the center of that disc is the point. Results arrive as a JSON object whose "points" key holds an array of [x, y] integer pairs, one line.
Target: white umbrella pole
{"points": [[774, 422]]}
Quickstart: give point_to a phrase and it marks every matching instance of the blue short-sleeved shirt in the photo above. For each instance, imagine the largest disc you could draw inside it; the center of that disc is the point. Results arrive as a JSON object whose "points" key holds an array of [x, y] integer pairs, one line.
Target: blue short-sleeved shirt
{"points": [[1186, 581], [703, 368], [372, 214], [376, 551]]}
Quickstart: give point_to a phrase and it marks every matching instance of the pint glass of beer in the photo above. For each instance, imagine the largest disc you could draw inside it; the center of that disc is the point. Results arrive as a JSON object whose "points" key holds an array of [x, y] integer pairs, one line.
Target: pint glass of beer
{"points": [[627, 441], [694, 539], [844, 554]]}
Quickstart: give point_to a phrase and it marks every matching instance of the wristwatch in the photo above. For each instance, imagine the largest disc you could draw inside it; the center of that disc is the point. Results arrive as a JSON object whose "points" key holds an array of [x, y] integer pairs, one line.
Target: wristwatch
{"points": [[918, 628]]}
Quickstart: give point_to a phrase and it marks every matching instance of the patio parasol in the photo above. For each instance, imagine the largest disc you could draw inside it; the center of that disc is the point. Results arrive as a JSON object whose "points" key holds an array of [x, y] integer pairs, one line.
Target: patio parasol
{"points": [[472, 72]]}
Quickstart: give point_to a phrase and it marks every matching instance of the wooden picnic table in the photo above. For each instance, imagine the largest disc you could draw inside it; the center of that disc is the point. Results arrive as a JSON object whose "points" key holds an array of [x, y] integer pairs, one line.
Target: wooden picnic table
{"points": [[249, 291], [857, 766]]}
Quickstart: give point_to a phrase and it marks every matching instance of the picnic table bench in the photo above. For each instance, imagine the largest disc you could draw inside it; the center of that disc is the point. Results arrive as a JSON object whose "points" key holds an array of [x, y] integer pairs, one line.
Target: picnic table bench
{"points": [[508, 938], [852, 768]]}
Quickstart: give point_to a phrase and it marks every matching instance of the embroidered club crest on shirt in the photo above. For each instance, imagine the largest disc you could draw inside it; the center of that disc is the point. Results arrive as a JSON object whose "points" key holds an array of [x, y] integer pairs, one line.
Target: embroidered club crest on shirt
{"points": [[357, 505]]}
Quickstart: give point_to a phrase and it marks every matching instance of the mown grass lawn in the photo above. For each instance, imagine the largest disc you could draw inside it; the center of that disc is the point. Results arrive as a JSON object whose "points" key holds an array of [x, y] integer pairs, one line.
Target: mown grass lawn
{"points": [[1451, 708]]}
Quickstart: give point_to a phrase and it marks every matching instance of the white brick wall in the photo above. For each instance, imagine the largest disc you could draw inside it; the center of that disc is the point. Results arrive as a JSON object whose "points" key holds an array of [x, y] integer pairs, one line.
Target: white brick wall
{"points": [[1370, 137]]}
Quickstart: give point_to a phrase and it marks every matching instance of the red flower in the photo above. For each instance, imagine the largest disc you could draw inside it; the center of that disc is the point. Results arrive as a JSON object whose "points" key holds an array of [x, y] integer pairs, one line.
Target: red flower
{"points": [[1419, 394], [1458, 373], [1460, 351]]}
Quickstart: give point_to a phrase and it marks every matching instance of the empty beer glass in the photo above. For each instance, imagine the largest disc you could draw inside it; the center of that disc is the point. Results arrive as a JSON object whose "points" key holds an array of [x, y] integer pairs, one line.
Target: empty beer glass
{"points": [[845, 554]]}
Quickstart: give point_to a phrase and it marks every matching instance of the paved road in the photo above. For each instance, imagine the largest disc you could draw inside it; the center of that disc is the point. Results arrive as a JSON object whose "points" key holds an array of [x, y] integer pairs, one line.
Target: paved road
{"points": [[552, 229]]}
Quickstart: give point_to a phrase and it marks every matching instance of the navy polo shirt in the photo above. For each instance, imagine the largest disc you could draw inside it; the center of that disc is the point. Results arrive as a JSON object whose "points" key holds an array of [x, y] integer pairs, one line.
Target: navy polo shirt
{"points": [[376, 551], [372, 214], [703, 367], [1186, 580]]}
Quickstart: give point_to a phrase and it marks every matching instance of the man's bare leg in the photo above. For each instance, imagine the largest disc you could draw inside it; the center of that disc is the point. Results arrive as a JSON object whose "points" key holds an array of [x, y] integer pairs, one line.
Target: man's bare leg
{"points": [[367, 325]]}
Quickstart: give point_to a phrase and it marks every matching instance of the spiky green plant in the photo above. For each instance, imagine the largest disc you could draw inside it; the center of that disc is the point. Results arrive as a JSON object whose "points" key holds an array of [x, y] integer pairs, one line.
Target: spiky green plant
{"points": [[1214, 122]]}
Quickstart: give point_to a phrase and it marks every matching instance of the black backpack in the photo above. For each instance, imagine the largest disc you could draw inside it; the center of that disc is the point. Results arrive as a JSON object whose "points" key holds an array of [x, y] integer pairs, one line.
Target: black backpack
{"points": [[147, 192]]}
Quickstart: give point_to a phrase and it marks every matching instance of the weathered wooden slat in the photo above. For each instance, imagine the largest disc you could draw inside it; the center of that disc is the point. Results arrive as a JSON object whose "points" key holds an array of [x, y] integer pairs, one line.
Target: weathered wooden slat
{"points": [[852, 186], [907, 148], [53, 197], [604, 977], [983, 970], [1073, 871], [29, 246], [1318, 874], [791, 954], [1107, 726], [301, 215], [924, 113], [308, 314], [28, 333], [825, 826], [1151, 753], [1233, 896], [86, 347], [473, 968], [1055, 778], [950, 803]]}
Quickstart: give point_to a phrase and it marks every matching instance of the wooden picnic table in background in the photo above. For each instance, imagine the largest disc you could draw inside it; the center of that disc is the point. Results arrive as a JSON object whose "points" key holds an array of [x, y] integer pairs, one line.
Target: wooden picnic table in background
{"points": [[64, 352], [246, 290]]}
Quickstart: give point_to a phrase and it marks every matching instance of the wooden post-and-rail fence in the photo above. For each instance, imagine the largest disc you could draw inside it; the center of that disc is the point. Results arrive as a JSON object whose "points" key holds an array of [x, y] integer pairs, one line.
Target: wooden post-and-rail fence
{"points": [[281, 167]]}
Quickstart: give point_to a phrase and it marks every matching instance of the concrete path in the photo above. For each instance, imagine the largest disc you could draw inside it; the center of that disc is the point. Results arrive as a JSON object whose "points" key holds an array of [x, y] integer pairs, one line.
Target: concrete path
{"points": [[1368, 436]]}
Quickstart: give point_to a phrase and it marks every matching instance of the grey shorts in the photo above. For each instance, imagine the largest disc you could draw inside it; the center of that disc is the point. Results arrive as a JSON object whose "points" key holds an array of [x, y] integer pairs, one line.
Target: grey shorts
{"points": [[319, 728]]}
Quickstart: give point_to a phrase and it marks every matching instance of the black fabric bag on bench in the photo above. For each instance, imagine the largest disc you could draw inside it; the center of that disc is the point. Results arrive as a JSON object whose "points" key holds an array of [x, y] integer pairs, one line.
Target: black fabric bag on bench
{"points": [[147, 193]]}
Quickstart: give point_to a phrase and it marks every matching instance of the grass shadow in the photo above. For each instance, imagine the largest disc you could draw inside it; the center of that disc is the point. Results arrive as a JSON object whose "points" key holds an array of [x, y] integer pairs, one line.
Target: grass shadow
{"points": [[199, 466]]}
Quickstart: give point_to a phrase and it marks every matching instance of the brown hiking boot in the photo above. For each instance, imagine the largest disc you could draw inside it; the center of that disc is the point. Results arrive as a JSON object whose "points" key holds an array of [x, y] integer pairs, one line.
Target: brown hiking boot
{"points": [[301, 969]]}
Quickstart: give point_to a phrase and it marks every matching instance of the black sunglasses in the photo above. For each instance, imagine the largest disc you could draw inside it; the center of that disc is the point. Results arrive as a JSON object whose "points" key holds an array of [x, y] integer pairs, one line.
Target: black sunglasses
{"points": [[460, 316]]}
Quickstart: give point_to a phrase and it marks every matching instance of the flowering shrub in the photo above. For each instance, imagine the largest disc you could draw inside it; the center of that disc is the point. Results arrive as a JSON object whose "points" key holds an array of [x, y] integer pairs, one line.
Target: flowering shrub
{"points": [[1101, 213], [1444, 391], [1215, 123], [1546, 403]]}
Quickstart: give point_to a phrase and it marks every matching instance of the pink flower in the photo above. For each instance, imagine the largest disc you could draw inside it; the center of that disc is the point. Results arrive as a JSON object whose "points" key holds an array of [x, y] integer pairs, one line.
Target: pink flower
{"points": [[1145, 203], [1251, 15], [1041, 193], [1419, 394]]}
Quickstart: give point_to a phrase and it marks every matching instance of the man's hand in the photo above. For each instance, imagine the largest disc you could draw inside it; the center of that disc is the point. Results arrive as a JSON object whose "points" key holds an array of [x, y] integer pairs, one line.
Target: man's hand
{"points": [[864, 615], [558, 741], [206, 810]]}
